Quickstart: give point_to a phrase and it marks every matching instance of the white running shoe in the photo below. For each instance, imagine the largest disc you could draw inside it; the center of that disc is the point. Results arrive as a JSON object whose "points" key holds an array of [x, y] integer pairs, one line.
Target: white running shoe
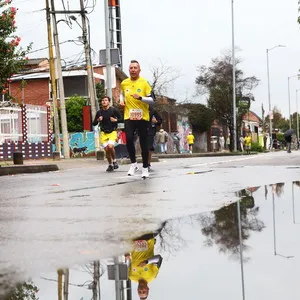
{"points": [[145, 173], [133, 168]]}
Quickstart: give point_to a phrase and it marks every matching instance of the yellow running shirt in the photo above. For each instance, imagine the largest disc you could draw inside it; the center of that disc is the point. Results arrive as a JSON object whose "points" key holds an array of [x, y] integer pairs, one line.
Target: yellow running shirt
{"points": [[190, 139], [135, 109], [248, 140], [143, 250]]}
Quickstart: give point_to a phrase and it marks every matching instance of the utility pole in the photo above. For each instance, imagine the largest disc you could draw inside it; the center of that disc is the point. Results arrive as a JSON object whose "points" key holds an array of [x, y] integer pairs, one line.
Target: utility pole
{"points": [[59, 284], [63, 114], [89, 65], [96, 276], [107, 42], [53, 80], [118, 282], [66, 284]]}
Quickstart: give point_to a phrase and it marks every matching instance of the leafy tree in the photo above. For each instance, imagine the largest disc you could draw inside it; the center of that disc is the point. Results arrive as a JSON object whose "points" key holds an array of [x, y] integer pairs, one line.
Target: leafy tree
{"points": [[12, 57], [294, 121], [221, 227], [200, 117], [23, 291], [74, 107], [279, 122], [216, 81], [100, 90]]}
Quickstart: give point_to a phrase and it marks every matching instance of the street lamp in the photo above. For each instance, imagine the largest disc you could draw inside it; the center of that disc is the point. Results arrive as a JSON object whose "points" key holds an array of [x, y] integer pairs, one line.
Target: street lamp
{"points": [[241, 247], [297, 118], [269, 93], [274, 230], [289, 97]]}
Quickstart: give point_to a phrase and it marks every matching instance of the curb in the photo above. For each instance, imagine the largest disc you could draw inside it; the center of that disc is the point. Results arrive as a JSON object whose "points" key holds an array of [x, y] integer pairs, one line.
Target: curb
{"points": [[211, 154], [12, 170]]}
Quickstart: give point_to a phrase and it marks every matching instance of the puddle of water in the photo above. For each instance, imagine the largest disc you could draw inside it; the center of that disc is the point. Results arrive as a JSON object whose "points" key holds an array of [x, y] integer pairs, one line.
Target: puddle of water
{"points": [[245, 250]]}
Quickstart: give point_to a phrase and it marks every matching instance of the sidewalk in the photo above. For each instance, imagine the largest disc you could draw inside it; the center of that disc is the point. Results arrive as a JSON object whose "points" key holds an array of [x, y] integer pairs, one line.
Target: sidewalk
{"points": [[48, 164]]}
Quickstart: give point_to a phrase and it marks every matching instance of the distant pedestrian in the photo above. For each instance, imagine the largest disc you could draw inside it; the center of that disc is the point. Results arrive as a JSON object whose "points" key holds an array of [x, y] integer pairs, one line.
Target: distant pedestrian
{"points": [[228, 142], [190, 140], [108, 118], [176, 140], [221, 142], [248, 141], [242, 141], [155, 121], [162, 140], [288, 139]]}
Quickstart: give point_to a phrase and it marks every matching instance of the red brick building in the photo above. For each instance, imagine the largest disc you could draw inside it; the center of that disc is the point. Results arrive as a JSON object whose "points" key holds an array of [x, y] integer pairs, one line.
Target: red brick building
{"points": [[32, 85]]}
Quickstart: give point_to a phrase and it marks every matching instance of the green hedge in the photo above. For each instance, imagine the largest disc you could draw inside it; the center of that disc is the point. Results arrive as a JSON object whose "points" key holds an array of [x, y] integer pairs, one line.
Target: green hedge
{"points": [[256, 147]]}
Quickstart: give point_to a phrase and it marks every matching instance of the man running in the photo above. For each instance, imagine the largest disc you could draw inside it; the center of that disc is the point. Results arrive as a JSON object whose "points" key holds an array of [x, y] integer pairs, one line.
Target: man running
{"points": [[155, 121], [136, 95], [190, 140], [108, 117]]}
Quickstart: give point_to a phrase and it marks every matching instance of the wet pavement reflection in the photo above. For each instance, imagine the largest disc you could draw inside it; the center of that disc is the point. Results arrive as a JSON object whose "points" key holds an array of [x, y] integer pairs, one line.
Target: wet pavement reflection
{"points": [[246, 250]]}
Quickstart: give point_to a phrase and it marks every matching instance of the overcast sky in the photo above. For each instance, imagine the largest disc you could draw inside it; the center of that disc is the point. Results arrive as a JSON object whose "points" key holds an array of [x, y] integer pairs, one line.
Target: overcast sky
{"points": [[186, 34]]}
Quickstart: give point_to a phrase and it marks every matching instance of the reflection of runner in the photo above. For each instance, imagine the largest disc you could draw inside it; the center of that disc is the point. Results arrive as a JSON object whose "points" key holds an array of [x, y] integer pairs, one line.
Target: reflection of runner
{"points": [[144, 265]]}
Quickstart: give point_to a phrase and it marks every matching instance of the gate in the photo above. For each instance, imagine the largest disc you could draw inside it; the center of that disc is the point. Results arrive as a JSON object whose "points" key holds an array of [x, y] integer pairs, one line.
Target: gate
{"points": [[26, 129]]}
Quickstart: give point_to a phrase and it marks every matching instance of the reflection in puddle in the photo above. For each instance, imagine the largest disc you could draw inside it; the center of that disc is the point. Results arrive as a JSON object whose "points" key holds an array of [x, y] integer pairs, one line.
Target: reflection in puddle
{"points": [[245, 250]]}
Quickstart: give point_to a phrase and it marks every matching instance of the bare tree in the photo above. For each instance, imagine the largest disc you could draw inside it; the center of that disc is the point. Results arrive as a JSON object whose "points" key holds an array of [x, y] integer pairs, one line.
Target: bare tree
{"points": [[163, 78]]}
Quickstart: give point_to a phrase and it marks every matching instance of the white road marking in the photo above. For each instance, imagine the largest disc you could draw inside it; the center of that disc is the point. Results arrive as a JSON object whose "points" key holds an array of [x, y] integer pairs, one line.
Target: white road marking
{"points": [[224, 161]]}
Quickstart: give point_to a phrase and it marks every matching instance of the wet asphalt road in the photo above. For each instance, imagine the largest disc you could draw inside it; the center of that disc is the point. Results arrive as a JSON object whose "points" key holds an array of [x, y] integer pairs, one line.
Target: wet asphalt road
{"points": [[57, 219]]}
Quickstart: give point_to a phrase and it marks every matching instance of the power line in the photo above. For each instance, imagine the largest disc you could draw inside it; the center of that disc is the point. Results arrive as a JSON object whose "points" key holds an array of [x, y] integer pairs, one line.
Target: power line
{"points": [[37, 50], [92, 7], [86, 283]]}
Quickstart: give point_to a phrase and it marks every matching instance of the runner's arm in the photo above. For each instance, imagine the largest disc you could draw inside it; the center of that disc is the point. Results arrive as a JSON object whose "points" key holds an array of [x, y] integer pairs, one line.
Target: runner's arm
{"points": [[96, 121], [158, 118], [118, 115], [148, 99], [156, 260]]}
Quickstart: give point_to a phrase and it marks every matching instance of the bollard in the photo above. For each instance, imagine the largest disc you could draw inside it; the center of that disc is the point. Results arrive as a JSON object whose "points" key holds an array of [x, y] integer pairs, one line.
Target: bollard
{"points": [[56, 155], [18, 158], [100, 155]]}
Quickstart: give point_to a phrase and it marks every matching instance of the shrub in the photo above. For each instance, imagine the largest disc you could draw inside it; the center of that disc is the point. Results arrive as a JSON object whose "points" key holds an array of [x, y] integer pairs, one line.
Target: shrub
{"points": [[256, 147]]}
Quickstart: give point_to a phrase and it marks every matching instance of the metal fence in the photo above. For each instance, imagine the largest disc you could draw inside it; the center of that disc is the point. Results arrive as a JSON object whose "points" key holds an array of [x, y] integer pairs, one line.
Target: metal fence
{"points": [[26, 129]]}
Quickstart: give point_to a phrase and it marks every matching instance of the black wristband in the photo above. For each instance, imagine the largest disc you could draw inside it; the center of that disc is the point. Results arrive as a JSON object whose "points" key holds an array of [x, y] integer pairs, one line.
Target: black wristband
{"points": [[140, 98]]}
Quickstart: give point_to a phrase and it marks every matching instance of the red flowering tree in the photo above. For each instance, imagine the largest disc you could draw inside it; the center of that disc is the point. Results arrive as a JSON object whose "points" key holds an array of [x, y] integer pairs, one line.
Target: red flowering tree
{"points": [[12, 56]]}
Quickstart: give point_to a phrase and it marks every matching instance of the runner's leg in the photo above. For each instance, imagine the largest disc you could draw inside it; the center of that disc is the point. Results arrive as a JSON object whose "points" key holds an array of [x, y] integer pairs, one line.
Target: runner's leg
{"points": [[129, 130], [143, 131]]}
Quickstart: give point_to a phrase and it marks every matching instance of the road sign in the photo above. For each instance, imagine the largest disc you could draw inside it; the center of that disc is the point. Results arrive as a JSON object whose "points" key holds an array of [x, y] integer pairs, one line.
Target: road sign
{"points": [[270, 115], [114, 56], [244, 102], [123, 272]]}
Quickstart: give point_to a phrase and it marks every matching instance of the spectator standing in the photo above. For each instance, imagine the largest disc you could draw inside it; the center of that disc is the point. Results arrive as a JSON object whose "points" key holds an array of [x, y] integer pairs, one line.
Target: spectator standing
{"points": [[248, 141], [162, 140], [176, 140], [221, 142]]}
